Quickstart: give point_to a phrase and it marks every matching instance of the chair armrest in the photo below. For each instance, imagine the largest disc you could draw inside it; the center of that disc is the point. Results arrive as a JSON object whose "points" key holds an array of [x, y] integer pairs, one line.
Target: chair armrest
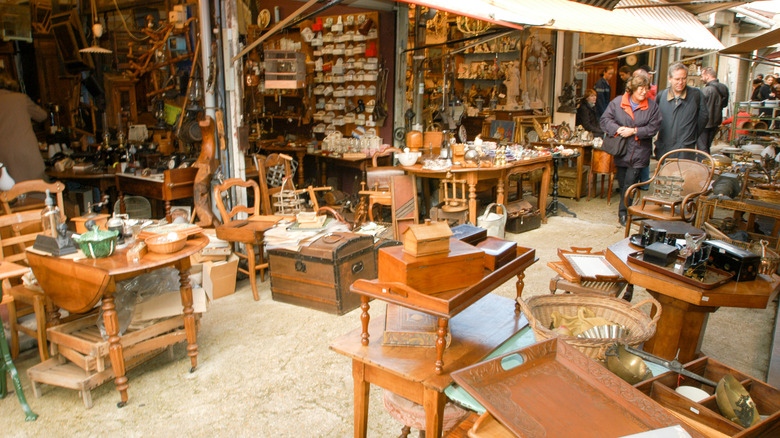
{"points": [[632, 194], [690, 205]]}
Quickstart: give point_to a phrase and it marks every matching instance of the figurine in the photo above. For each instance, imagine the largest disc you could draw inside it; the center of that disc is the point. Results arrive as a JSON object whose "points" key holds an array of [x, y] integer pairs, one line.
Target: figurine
{"points": [[512, 83], [568, 99]]}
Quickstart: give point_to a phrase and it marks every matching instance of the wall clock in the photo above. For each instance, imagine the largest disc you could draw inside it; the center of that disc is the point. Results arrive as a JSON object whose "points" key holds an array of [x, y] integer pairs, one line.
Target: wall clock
{"points": [[631, 60]]}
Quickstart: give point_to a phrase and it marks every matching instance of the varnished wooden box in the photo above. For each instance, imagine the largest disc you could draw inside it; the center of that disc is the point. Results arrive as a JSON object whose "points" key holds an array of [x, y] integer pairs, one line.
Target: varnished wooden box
{"points": [[319, 276], [705, 415], [498, 252], [462, 266]]}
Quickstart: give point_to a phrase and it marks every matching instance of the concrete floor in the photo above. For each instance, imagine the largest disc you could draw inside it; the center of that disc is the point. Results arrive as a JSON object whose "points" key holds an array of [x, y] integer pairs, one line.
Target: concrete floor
{"points": [[265, 368]]}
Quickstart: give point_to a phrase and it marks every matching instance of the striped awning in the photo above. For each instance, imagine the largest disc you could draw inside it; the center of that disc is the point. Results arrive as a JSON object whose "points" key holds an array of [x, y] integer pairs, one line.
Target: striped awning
{"points": [[674, 20]]}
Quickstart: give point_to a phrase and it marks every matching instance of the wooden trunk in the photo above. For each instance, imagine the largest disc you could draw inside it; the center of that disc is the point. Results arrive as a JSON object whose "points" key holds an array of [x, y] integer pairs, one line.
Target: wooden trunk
{"points": [[461, 267], [522, 217], [319, 276]]}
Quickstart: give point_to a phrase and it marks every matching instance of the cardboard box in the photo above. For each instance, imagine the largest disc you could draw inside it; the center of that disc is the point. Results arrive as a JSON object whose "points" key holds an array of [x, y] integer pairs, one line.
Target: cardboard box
{"points": [[219, 278], [198, 258], [168, 305]]}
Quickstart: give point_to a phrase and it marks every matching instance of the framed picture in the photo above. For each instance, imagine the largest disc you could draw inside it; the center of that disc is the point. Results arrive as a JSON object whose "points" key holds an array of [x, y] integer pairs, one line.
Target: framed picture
{"points": [[181, 212], [502, 130]]}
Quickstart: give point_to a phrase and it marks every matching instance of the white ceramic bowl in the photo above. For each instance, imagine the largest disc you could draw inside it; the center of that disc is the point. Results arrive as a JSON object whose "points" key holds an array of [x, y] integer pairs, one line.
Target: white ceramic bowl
{"points": [[692, 393], [407, 158]]}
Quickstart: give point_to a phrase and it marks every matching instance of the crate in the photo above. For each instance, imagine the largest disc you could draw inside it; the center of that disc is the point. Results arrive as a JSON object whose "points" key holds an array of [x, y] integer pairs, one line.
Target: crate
{"points": [[567, 182], [80, 358], [705, 415], [284, 69]]}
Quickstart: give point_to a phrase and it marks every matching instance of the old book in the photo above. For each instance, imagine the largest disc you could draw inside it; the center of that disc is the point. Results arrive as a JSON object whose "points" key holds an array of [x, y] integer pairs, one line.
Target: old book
{"points": [[410, 328]]}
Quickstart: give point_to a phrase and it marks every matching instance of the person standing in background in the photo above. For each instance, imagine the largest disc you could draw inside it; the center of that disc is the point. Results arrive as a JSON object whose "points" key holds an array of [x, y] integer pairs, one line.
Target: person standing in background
{"points": [[603, 90], [18, 144], [652, 92], [684, 113], [717, 97], [586, 114], [636, 118]]}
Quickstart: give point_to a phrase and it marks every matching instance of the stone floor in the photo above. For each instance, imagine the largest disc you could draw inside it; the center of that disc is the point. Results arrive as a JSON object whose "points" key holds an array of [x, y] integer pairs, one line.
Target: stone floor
{"points": [[265, 368]]}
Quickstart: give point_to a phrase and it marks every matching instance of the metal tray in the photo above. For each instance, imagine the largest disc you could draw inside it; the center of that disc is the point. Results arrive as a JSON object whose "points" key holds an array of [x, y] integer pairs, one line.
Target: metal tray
{"points": [[551, 389], [712, 279]]}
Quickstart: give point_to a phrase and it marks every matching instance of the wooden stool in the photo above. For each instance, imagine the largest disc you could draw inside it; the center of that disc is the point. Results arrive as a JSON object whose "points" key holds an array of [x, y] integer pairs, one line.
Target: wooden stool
{"points": [[412, 415], [601, 163]]}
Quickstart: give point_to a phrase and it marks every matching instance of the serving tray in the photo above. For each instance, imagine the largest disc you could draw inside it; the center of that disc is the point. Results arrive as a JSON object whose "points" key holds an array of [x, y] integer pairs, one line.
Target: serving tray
{"points": [[551, 389], [588, 265], [713, 278]]}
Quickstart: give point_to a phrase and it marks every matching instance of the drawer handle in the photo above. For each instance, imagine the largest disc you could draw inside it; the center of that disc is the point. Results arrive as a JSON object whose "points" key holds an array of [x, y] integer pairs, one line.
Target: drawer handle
{"points": [[357, 267], [300, 266]]}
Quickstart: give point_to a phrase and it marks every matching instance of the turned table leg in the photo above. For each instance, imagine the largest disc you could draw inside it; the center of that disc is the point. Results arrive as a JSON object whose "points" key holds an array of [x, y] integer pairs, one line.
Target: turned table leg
{"points": [[519, 287], [441, 344], [115, 351], [168, 211], [361, 392], [364, 319], [189, 316]]}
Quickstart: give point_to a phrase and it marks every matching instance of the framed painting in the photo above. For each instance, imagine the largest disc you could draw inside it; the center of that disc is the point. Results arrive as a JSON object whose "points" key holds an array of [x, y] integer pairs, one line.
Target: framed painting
{"points": [[502, 130]]}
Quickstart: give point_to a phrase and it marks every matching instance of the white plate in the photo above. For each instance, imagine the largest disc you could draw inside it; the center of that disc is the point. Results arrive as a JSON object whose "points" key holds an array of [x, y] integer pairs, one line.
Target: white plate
{"points": [[692, 393]]}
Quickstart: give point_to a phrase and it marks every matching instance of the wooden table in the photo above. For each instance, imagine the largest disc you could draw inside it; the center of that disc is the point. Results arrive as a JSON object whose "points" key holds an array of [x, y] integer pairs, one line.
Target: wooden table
{"points": [[443, 305], [172, 185], [686, 308], [706, 210], [407, 371], [78, 285], [501, 173], [103, 181], [326, 161]]}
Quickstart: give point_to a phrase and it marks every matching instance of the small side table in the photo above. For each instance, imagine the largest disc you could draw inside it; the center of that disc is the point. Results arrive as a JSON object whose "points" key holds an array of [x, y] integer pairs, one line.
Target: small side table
{"points": [[8, 270], [552, 209]]}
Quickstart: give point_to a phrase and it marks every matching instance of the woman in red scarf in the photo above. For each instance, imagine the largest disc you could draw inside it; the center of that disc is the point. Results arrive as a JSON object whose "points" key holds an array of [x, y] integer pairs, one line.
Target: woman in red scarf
{"points": [[636, 118]]}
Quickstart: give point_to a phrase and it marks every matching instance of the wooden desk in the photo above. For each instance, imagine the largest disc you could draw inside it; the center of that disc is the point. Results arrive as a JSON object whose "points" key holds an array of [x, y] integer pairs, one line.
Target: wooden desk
{"points": [[407, 371], [501, 173], [174, 184], [706, 210], [686, 308], [103, 181], [326, 161], [77, 286]]}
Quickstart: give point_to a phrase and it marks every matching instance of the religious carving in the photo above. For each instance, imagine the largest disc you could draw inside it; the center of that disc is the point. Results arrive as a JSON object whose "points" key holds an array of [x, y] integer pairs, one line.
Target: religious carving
{"points": [[536, 55], [206, 165]]}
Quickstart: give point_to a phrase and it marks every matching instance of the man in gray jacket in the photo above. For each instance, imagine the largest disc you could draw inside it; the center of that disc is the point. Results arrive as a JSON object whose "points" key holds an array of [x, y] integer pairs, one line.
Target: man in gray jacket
{"points": [[684, 112], [717, 97]]}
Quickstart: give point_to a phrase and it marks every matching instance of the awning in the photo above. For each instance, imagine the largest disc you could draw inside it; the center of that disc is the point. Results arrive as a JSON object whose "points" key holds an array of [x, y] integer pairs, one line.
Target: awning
{"points": [[676, 21], [756, 43], [697, 7], [577, 17], [485, 10]]}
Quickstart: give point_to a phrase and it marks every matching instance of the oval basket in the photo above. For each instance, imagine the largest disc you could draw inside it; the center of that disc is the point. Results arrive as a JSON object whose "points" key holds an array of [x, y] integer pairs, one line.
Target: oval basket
{"points": [[538, 309]]}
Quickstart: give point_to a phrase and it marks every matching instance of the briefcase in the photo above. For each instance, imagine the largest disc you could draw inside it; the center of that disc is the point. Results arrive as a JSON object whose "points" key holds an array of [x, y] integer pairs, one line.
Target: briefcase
{"points": [[319, 275], [522, 217]]}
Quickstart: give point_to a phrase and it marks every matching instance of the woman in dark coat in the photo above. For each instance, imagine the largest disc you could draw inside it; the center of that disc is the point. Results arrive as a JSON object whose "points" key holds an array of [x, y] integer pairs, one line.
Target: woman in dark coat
{"points": [[586, 114], [638, 119]]}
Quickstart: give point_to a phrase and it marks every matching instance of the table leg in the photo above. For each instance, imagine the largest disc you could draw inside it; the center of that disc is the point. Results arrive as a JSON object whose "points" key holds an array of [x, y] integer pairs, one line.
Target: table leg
{"points": [[680, 329], [519, 286], [115, 351], [122, 208], [361, 391], [543, 192], [472, 182], [433, 403], [189, 313], [441, 344], [578, 177], [501, 192], [301, 180], [168, 211], [364, 319]]}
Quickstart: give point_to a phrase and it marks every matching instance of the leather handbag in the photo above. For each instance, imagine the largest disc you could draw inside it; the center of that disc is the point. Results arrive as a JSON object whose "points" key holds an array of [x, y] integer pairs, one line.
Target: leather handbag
{"points": [[615, 145]]}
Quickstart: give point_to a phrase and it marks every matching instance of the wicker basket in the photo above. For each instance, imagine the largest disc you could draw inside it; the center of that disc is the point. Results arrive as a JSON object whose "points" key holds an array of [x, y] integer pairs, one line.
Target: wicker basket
{"points": [[162, 244], [766, 192], [640, 326]]}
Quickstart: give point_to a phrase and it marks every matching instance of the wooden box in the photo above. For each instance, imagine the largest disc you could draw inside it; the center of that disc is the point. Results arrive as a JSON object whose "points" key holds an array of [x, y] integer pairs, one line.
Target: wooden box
{"points": [[730, 258], [410, 328], [522, 217], [427, 239], [469, 233], [319, 276], [705, 415], [462, 266], [498, 252], [567, 182]]}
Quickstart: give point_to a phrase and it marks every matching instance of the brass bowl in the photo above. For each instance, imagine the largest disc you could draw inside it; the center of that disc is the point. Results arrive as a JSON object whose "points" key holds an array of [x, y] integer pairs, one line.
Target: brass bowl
{"points": [[627, 366], [735, 402]]}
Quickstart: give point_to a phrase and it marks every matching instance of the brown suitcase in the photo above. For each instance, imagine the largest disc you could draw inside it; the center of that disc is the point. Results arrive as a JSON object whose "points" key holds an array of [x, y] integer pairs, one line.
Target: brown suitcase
{"points": [[522, 216], [319, 275]]}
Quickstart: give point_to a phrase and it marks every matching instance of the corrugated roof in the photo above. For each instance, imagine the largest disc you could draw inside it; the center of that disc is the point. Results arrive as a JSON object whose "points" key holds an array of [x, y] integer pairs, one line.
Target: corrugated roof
{"points": [[764, 40], [604, 4], [577, 17], [703, 8], [676, 21], [485, 10]]}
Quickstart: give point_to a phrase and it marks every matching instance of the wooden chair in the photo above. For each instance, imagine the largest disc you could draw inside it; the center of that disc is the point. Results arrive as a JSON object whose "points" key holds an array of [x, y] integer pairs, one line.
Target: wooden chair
{"points": [[248, 239], [377, 184], [601, 163], [271, 180], [674, 188], [23, 227]]}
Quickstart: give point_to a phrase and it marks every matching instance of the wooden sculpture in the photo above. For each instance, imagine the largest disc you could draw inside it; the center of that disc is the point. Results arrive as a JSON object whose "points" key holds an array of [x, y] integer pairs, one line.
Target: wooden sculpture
{"points": [[206, 165]]}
